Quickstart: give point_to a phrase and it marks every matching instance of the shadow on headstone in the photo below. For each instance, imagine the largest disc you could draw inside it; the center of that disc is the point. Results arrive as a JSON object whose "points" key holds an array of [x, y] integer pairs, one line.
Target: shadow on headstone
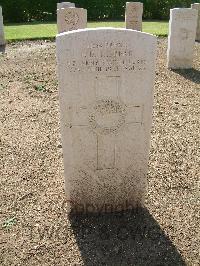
{"points": [[2, 49], [191, 74], [127, 238]]}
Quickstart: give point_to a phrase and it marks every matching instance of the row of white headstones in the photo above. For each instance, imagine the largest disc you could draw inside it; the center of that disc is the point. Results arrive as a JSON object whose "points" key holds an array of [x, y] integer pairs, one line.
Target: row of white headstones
{"points": [[184, 28], [106, 79]]}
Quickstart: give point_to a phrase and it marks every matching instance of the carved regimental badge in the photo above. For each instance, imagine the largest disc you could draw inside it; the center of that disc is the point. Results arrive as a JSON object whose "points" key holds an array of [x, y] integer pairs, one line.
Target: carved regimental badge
{"points": [[71, 18], [107, 116]]}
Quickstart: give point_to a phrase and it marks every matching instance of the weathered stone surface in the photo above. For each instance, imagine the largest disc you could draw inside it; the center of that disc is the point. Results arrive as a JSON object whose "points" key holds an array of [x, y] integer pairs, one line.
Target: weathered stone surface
{"points": [[134, 11], [181, 40], [71, 19], [197, 7], [65, 4], [2, 37], [106, 79]]}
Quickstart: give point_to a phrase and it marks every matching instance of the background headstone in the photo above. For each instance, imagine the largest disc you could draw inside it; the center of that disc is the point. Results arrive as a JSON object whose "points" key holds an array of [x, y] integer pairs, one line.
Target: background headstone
{"points": [[71, 19], [134, 11], [106, 79], [181, 40], [197, 7], [2, 37], [65, 4]]}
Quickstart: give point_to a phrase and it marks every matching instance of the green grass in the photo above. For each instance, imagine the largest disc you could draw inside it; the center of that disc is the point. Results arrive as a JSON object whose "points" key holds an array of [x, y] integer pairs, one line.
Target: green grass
{"points": [[49, 30], [9, 223]]}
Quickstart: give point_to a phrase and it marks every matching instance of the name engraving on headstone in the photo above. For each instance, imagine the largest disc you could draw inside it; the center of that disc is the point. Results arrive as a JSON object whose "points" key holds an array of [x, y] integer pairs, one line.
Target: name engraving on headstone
{"points": [[103, 58]]}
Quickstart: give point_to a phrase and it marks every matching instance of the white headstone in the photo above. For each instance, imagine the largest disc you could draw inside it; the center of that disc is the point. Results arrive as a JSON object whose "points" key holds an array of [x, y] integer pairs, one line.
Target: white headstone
{"points": [[181, 40], [71, 19], [2, 37], [106, 79], [134, 11], [197, 7], [65, 4]]}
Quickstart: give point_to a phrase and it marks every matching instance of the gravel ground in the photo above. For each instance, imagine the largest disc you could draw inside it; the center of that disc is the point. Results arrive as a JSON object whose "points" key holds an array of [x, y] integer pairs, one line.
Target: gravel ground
{"points": [[35, 228]]}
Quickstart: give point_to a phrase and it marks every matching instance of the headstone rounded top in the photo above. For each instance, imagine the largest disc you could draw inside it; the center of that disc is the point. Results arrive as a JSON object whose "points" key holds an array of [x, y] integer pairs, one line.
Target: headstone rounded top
{"points": [[65, 4], [184, 13], [181, 9], [109, 30], [196, 5], [134, 3]]}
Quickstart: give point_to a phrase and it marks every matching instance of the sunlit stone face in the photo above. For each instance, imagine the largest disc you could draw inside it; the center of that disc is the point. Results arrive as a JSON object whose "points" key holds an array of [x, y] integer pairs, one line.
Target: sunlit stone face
{"points": [[106, 79]]}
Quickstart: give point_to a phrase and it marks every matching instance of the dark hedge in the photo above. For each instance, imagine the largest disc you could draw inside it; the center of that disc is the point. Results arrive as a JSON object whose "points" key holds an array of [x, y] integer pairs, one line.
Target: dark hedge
{"points": [[45, 10]]}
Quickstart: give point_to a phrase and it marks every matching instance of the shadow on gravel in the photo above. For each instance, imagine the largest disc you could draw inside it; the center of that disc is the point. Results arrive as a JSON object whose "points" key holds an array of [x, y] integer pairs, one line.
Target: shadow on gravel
{"points": [[2, 49], [128, 238], [191, 74]]}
